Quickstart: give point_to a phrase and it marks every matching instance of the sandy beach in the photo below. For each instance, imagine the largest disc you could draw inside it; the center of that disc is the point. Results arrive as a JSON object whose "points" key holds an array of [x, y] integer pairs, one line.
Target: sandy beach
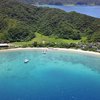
{"points": [[50, 48]]}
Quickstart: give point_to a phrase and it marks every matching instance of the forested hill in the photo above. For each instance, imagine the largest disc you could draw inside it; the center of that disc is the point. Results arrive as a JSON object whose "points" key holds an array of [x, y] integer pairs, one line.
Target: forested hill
{"points": [[59, 2], [19, 22]]}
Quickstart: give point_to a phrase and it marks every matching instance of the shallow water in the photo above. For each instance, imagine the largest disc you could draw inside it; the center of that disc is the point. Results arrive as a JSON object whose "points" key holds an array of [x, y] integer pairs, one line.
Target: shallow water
{"points": [[88, 10], [57, 75]]}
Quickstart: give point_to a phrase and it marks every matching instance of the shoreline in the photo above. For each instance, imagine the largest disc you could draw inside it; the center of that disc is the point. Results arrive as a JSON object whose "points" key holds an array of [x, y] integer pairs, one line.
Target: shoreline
{"points": [[51, 48], [66, 5]]}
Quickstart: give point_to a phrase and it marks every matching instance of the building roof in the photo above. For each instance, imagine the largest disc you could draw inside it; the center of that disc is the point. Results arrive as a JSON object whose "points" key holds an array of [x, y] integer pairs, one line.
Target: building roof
{"points": [[3, 45]]}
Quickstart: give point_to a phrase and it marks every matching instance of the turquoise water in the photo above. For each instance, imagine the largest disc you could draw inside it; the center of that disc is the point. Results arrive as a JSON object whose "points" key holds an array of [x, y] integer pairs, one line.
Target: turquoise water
{"points": [[57, 75], [88, 10]]}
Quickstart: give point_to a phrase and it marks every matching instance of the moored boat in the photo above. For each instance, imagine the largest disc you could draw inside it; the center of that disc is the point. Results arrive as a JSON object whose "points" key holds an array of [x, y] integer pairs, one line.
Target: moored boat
{"points": [[26, 61]]}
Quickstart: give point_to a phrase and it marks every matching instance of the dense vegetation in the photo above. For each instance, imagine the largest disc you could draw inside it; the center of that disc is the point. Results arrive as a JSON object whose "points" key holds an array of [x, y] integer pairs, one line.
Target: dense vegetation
{"points": [[59, 2], [20, 22]]}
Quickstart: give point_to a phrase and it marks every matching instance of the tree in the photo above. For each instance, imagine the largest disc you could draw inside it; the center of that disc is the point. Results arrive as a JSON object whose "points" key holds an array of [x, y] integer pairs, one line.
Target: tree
{"points": [[96, 37], [3, 23], [19, 34]]}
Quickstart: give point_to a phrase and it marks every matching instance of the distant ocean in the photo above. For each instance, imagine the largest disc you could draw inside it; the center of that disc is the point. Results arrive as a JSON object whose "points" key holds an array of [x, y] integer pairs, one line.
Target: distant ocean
{"points": [[88, 10], [56, 75]]}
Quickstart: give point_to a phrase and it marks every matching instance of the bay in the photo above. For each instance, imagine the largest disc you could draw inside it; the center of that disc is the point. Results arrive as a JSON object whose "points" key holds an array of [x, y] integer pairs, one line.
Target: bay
{"points": [[56, 75]]}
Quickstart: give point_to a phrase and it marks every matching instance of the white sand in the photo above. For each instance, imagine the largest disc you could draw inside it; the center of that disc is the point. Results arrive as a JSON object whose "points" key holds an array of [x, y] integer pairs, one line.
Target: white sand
{"points": [[50, 48]]}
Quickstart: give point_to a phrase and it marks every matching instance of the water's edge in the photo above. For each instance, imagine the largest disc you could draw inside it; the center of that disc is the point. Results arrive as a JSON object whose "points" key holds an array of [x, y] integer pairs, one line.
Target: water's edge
{"points": [[58, 49]]}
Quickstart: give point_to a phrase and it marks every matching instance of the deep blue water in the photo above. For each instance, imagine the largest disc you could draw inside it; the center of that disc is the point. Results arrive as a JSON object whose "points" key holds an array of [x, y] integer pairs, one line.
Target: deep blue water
{"points": [[88, 10], [57, 75]]}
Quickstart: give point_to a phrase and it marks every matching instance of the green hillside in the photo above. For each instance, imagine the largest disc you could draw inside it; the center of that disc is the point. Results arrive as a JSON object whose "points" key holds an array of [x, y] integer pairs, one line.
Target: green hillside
{"points": [[60, 2], [19, 22]]}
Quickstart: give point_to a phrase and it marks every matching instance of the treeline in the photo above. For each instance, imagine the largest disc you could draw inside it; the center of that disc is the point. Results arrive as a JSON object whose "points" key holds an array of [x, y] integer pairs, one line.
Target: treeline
{"points": [[83, 46], [60, 2], [19, 22]]}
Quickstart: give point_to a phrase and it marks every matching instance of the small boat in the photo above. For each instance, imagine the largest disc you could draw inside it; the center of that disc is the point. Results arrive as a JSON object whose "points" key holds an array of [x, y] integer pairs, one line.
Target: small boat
{"points": [[26, 61], [44, 52]]}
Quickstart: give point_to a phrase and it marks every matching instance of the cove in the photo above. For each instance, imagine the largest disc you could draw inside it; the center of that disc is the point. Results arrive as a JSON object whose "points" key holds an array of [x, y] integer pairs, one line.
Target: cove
{"points": [[56, 75]]}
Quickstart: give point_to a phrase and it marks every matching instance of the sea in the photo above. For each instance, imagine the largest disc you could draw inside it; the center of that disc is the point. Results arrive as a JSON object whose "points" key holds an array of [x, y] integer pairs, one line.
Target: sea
{"points": [[93, 11], [53, 75]]}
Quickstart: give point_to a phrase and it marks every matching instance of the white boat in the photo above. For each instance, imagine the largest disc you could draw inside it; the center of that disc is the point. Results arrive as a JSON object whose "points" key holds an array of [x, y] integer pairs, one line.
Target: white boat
{"points": [[26, 61], [44, 52]]}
